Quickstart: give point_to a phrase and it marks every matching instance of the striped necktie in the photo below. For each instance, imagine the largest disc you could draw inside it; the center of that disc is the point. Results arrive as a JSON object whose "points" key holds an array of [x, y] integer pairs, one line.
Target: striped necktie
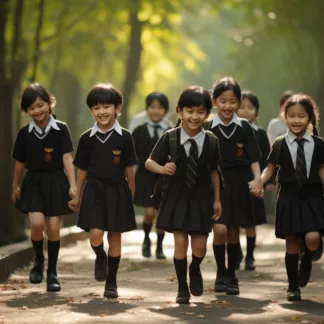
{"points": [[191, 175], [300, 172], [156, 132]]}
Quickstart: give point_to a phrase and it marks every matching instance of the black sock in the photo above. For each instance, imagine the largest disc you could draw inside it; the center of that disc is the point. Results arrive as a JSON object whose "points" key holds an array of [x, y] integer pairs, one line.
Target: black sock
{"points": [[160, 237], [38, 247], [219, 253], [195, 264], [291, 261], [99, 250], [250, 245], [53, 248], [113, 264], [232, 254], [147, 229], [308, 254], [181, 271]]}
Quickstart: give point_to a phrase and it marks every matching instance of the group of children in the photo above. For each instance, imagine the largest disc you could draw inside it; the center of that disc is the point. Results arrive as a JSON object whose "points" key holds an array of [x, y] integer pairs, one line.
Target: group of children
{"points": [[202, 175]]}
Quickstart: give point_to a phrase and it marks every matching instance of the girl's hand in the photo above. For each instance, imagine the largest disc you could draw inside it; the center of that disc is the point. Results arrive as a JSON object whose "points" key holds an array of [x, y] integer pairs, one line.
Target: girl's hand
{"points": [[217, 210], [72, 192], [74, 204], [169, 169], [257, 193], [256, 184], [15, 194]]}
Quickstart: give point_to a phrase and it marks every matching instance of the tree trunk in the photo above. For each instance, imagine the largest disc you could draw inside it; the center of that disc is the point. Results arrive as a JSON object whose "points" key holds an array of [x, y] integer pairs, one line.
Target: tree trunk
{"points": [[133, 60]]}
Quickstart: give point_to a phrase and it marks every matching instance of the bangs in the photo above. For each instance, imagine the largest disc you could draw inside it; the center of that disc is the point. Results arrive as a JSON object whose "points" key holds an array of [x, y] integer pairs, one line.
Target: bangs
{"points": [[104, 94], [195, 98]]}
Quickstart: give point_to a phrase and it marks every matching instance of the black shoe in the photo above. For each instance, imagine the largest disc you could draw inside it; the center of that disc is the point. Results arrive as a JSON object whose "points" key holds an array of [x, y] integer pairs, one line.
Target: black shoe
{"points": [[111, 292], [318, 253], [196, 283], [293, 294], [53, 283], [159, 254], [304, 272], [101, 268], [36, 273], [232, 286], [239, 258], [146, 248], [249, 264], [183, 297], [220, 284]]}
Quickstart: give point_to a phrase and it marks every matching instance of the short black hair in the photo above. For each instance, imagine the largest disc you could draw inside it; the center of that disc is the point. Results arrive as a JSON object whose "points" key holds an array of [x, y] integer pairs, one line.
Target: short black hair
{"points": [[285, 96], [160, 97], [225, 84], [252, 98], [103, 93], [34, 91]]}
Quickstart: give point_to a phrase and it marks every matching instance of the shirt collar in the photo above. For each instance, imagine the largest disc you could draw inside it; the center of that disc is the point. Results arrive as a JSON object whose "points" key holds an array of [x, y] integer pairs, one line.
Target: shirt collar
{"points": [[199, 138], [254, 126], [51, 124], [161, 123], [217, 121], [116, 126], [291, 137]]}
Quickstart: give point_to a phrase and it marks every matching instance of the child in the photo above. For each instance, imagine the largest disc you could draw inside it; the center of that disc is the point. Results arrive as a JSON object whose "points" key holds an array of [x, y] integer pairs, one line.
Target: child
{"points": [[240, 167], [188, 204], [145, 137], [105, 156], [300, 202], [249, 110], [44, 148]]}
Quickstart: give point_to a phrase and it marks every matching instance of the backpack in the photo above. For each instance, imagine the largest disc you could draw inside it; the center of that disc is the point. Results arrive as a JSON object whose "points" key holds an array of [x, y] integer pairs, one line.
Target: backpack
{"points": [[163, 182]]}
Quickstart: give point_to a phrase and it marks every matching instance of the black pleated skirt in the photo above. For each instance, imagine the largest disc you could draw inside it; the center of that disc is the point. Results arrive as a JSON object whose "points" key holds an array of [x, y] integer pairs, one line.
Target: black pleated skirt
{"points": [[299, 210], [259, 211], [46, 192], [236, 199], [185, 209], [144, 186], [108, 207]]}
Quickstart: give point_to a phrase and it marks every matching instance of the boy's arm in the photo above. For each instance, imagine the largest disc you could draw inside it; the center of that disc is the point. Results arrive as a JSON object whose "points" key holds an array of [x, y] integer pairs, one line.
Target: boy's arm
{"points": [[130, 176], [18, 171], [69, 169]]}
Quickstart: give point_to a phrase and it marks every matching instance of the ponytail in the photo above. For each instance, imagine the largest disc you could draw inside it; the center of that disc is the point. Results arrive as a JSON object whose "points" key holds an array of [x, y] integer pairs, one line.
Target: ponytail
{"points": [[178, 123], [315, 127]]}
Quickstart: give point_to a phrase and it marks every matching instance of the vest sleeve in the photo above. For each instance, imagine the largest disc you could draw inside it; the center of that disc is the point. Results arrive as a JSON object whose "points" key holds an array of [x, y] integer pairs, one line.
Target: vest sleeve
{"points": [[83, 153], [252, 147], [129, 153], [161, 150], [66, 140], [19, 150]]}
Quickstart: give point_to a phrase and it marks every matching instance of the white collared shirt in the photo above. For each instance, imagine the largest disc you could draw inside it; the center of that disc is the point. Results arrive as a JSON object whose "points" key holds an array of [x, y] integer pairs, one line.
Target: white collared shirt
{"points": [[254, 126], [199, 139], [308, 149], [217, 121], [161, 130], [51, 124], [116, 126]]}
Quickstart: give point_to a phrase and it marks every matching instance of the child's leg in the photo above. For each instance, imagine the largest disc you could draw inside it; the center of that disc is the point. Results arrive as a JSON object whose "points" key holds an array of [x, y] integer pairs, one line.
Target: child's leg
{"points": [[96, 241], [291, 261], [114, 252], [149, 215], [37, 226], [220, 237], [239, 257], [250, 245], [233, 245], [312, 242], [53, 225], [159, 249], [198, 247], [180, 264]]}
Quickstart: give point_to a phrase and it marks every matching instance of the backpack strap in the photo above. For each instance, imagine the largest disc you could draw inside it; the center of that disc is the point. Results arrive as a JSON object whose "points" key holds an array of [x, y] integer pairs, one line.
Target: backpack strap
{"points": [[173, 136], [278, 146], [212, 142], [207, 124]]}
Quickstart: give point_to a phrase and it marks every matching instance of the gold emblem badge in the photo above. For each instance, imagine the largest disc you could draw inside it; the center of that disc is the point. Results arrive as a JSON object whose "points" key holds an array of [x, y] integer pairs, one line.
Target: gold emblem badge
{"points": [[48, 155], [239, 151], [116, 156]]}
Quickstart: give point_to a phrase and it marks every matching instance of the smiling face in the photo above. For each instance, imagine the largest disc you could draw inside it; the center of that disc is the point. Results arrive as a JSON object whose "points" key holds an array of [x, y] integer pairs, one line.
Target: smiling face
{"points": [[297, 119], [39, 111], [105, 115], [247, 110], [192, 119], [227, 104], [156, 111]]}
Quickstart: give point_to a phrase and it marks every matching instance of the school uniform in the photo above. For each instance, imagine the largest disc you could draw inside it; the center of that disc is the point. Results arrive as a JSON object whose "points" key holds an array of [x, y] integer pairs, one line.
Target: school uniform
{"points": [[106, 201], [239, 149], [183, 208], [300, 205], [45, 187], [264, 146], [145, 137]]}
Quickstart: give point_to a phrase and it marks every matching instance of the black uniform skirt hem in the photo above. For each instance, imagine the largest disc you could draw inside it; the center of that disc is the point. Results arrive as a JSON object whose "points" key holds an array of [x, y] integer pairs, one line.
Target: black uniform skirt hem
{"points": [[299, 210], [144, 186], [45, 192], [187, 210], [259, 211], [108, 207], [236, 199]]}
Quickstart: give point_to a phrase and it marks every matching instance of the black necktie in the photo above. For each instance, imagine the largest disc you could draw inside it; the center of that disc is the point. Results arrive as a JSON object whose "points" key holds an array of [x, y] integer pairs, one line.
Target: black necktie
{"points": [[156, 132], [191, 175], [300, 172]]}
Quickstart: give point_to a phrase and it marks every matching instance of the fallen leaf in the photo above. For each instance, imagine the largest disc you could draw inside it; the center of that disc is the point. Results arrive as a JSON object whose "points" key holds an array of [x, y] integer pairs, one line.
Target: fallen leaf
{"points": [[102, 314], [295, 318], [132, 267], [210, 289], [137, 298], [171, 279], [90, 295], [187, 313], [201, 316]]}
